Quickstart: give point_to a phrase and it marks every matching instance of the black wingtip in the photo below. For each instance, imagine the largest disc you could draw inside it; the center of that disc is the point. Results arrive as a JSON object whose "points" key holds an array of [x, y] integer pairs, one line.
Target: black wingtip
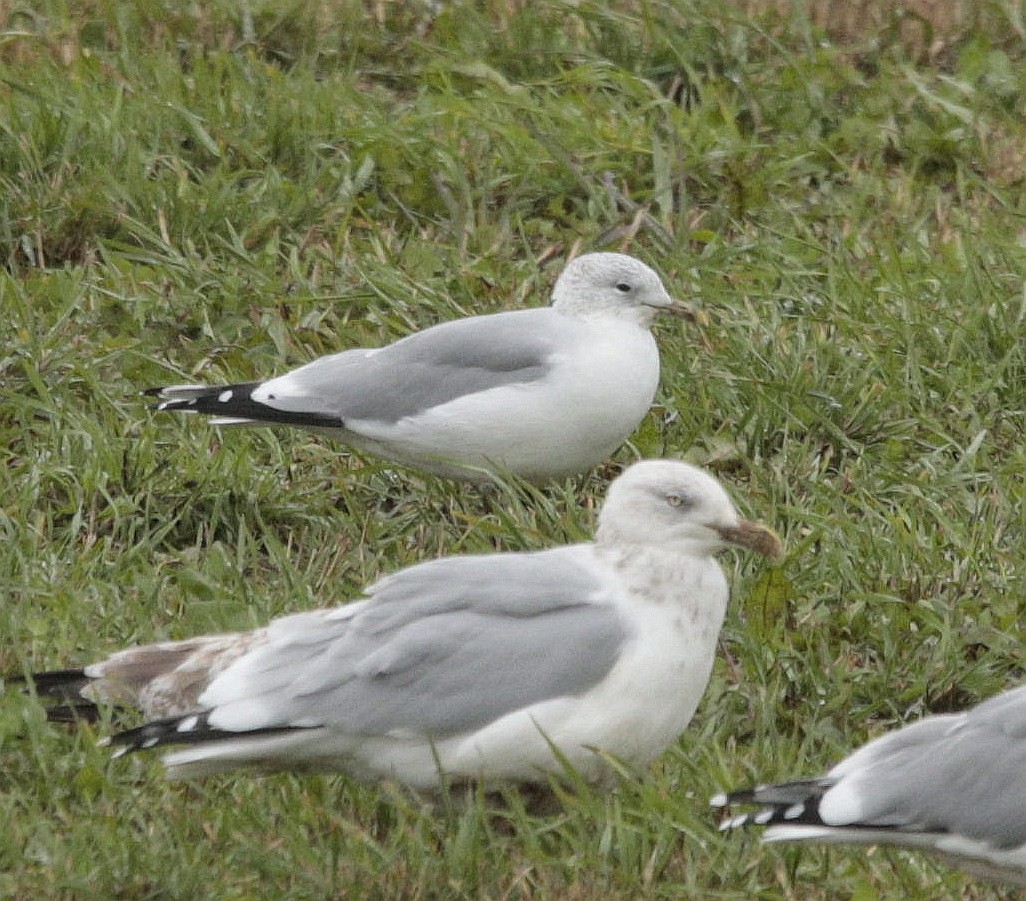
{"points": [[787, 803], [64, 687], [236, 402], [737, 796], [73, 714], [190, 729], [59, 683], [148, 735]]}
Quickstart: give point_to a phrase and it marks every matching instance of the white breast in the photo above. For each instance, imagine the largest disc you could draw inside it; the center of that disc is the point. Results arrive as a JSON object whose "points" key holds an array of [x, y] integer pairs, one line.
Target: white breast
{"points": [[587, 406]]}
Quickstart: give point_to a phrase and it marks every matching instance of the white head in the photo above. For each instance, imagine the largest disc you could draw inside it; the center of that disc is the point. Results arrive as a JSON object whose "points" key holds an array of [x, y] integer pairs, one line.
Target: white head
{"points": [[674, 504], [604, 284]]}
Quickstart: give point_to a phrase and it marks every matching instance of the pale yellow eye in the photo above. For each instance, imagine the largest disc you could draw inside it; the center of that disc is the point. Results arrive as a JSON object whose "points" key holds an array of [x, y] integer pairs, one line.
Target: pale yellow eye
{"points": [[675, 500]]}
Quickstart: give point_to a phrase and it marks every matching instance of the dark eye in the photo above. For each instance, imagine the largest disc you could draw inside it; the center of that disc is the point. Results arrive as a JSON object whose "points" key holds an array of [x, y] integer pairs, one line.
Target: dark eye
{"points": [[623, 287]]}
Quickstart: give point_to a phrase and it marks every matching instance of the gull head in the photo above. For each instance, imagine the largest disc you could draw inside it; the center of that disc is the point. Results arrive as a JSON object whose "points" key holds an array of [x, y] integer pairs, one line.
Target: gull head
{"points": [[674, 504], [614, 284]]}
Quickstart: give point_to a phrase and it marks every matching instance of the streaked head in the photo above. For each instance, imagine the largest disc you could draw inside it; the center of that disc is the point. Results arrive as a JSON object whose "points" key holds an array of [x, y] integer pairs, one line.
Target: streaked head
{"points": [[603, 284], [672, 503]]}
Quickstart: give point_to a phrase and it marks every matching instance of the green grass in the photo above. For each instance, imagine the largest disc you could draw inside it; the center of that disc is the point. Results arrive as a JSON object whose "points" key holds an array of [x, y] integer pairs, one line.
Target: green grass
{"points": [[221, 190]]}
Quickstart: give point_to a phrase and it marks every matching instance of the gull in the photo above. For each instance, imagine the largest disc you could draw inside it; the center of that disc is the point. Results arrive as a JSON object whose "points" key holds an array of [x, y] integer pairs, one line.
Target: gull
{"points": [[948, 784], [542, 393], [490, 668]]}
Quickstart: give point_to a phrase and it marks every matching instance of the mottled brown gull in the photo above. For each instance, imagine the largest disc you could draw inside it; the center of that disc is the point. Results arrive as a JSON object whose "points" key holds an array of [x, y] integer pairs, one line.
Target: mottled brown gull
{"points": [[488, 667]]}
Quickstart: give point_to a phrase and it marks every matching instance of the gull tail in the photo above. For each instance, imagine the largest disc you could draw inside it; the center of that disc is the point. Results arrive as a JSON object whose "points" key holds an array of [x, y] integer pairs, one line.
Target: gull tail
{"points": [[233, 405]]}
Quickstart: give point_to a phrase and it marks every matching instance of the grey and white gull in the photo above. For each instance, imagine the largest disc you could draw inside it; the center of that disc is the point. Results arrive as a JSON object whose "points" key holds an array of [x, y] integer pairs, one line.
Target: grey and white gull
{"points": [[489, 668], [953, 785], [541, 393]]}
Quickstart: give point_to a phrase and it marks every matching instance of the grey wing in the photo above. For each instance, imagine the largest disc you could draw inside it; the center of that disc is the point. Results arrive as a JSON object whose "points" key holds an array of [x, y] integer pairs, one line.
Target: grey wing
{"points": [[1005, 711], [425, 370], [956, 774], [870, 786], [438, 649], [962, 774]]}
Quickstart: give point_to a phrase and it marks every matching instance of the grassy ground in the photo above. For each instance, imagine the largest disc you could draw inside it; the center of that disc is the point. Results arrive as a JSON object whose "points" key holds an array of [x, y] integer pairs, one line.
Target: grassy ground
{"points": [[221, 190]]}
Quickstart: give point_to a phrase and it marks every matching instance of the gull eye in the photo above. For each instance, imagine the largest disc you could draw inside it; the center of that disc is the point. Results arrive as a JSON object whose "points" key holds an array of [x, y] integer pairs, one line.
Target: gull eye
{"points": [[623, 287], [677, 500]]}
